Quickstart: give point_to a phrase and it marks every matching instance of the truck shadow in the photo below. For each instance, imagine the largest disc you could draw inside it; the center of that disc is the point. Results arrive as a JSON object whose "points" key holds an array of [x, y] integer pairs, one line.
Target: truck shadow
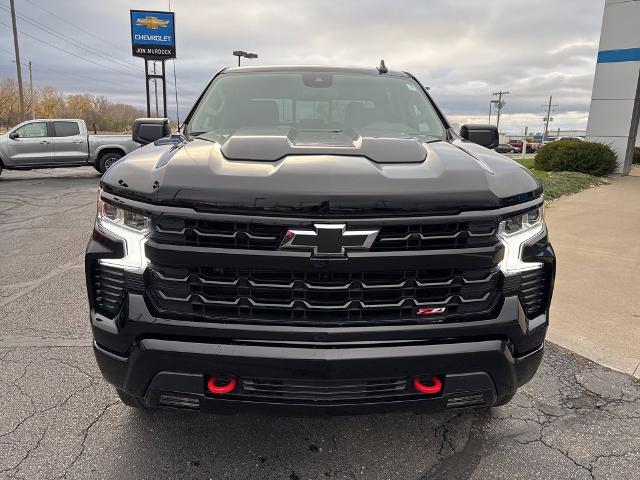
{"points": [[186, 445]]}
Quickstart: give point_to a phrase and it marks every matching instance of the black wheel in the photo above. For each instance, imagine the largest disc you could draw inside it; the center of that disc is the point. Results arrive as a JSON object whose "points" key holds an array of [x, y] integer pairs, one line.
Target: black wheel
{"points": [[106, 160], [130, 400], [506, 399]]}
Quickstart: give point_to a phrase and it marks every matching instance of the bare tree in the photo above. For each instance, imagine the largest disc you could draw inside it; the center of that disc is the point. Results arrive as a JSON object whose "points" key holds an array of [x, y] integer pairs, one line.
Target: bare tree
{"points": [[49, 102]]}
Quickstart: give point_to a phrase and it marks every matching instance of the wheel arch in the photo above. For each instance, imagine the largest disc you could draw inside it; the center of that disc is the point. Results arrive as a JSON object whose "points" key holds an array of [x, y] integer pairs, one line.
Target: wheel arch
{"points": [[103, 150]]}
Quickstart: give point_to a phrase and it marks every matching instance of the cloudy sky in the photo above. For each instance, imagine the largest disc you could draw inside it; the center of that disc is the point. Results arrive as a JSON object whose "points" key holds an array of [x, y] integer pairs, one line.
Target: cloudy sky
{"points": [[463, 50]]}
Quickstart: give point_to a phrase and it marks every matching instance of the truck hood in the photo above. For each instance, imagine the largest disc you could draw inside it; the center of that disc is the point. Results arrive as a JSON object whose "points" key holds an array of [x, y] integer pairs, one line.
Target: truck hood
{"points": [[319, 174]]}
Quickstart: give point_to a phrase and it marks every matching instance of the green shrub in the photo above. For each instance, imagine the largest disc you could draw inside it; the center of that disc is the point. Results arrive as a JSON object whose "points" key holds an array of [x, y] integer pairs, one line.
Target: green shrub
{"points": [[577, 156], [636, 155]]}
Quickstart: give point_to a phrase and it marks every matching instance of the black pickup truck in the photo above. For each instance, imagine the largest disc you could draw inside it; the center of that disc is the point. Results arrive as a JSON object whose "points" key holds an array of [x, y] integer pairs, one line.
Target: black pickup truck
{"points": [[318, 240]]}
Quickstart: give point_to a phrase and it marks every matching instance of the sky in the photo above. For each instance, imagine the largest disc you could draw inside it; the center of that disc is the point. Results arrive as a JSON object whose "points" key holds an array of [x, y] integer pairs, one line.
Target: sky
{"points": [[463, 50]]}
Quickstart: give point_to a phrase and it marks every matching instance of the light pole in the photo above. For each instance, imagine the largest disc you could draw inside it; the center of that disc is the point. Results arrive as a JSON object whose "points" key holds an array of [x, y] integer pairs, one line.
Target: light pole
{"points": [[242, 53]]}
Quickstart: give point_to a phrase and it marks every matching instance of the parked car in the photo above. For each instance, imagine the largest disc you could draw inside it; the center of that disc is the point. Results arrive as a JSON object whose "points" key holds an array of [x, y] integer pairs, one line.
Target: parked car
{"points": [[506, 148], [517, 144], [50, 143], [318, 240], [566, 139]]}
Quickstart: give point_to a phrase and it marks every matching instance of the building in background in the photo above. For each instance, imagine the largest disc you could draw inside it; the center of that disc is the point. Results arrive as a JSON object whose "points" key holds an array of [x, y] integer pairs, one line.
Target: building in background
{"points": [[615, 100]]}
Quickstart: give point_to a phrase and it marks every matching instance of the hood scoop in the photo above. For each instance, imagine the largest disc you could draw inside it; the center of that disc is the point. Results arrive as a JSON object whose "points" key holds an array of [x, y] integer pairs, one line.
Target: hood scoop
{"points": [[273, 144]]}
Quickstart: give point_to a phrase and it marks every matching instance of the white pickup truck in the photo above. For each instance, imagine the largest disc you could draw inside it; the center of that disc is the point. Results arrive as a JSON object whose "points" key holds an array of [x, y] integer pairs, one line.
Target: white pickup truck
{"points": [[51, 143]]}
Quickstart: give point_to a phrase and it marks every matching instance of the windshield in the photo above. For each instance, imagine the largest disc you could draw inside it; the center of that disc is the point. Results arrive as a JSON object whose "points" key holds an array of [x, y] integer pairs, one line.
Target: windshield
{"points": [[317, 101]]}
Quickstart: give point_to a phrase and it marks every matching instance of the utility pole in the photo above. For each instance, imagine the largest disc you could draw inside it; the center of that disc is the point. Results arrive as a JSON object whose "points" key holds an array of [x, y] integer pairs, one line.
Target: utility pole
{"points": [[490, 107], [155, 88], [499, 105], [33, 101], [548, 118], [18, 65]]}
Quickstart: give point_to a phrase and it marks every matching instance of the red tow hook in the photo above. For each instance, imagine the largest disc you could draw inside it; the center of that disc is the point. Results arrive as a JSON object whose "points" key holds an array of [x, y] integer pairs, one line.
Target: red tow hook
{"points": [[229, 386], [435, 387]]}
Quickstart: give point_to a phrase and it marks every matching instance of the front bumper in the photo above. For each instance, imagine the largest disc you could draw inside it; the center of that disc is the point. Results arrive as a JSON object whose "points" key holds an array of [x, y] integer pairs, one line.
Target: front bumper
{"points": [[173, 373]]}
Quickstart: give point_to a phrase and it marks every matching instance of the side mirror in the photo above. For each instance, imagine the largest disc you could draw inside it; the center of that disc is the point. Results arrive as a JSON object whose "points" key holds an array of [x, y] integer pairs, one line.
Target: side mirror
{"points": [[147, 130], [485, 135], [14, 135]]}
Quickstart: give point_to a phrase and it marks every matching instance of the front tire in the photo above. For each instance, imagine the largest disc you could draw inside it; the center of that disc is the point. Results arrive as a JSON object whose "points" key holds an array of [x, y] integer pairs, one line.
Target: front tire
{"points": [[506, 399], [106, 160], [130, 400]]}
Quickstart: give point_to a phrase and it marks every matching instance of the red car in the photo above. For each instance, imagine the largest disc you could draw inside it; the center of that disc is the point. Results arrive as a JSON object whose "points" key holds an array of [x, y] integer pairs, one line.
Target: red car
{"points": [[517, 144]]}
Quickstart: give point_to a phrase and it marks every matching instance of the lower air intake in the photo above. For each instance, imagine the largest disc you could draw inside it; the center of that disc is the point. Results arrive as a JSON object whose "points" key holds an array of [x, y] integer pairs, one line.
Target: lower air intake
{"points": [[466, 401]]}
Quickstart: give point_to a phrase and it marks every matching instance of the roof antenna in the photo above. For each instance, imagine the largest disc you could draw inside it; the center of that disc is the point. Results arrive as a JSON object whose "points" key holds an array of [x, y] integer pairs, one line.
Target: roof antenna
{"points": [[382, 68]]}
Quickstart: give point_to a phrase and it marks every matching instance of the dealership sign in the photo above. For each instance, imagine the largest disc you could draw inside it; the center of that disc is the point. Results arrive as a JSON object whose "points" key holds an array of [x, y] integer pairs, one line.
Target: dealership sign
{"points": [[153, 34]]}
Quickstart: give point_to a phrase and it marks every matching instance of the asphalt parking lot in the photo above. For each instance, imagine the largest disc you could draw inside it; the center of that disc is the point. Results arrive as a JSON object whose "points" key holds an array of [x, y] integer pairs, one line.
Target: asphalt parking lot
{"points": [[59, 419]]}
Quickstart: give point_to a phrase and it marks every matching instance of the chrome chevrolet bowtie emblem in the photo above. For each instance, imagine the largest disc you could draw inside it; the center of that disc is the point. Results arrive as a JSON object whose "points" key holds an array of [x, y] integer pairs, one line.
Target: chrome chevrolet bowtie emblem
{"points": [[329, 240]]}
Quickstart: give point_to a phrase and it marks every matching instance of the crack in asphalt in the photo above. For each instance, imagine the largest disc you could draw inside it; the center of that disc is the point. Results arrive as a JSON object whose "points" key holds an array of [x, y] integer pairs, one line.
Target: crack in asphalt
{"points": [[463, 462], [85, 435]]}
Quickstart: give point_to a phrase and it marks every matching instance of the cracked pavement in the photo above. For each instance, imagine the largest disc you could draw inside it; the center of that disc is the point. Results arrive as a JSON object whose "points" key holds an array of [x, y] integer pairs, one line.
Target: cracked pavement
{"points": [[59, 419]]}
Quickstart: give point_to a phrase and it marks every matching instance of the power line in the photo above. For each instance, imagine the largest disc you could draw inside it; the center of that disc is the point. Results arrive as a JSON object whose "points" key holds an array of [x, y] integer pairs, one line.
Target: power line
{"points": [[73, 54], [78, 43], [61, 37], [70, 40], [117, 88], [115, 67], [64, 72], [91, 34]]}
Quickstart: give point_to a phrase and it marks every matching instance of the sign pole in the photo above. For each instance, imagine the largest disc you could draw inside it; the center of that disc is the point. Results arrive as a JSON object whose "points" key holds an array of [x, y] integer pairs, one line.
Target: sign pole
{"points": [[146, 84], [164, 89]]}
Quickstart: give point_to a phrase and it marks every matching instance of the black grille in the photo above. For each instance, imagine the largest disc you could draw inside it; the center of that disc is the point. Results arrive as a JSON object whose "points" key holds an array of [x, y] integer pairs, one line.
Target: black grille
{"points": [[436, 236], [255, 236], [213, 234], [108, 289], [325, 391], [324, 298]]}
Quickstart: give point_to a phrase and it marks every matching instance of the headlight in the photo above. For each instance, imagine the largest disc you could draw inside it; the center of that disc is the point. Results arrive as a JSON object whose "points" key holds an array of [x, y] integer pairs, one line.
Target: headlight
{"points": [[131, 227], [517, 231], [110, 214]]}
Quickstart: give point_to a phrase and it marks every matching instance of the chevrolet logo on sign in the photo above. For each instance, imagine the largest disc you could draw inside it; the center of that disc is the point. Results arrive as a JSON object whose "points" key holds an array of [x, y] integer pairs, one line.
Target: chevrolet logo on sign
{"points": [[152, 23], [153, 34]]}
